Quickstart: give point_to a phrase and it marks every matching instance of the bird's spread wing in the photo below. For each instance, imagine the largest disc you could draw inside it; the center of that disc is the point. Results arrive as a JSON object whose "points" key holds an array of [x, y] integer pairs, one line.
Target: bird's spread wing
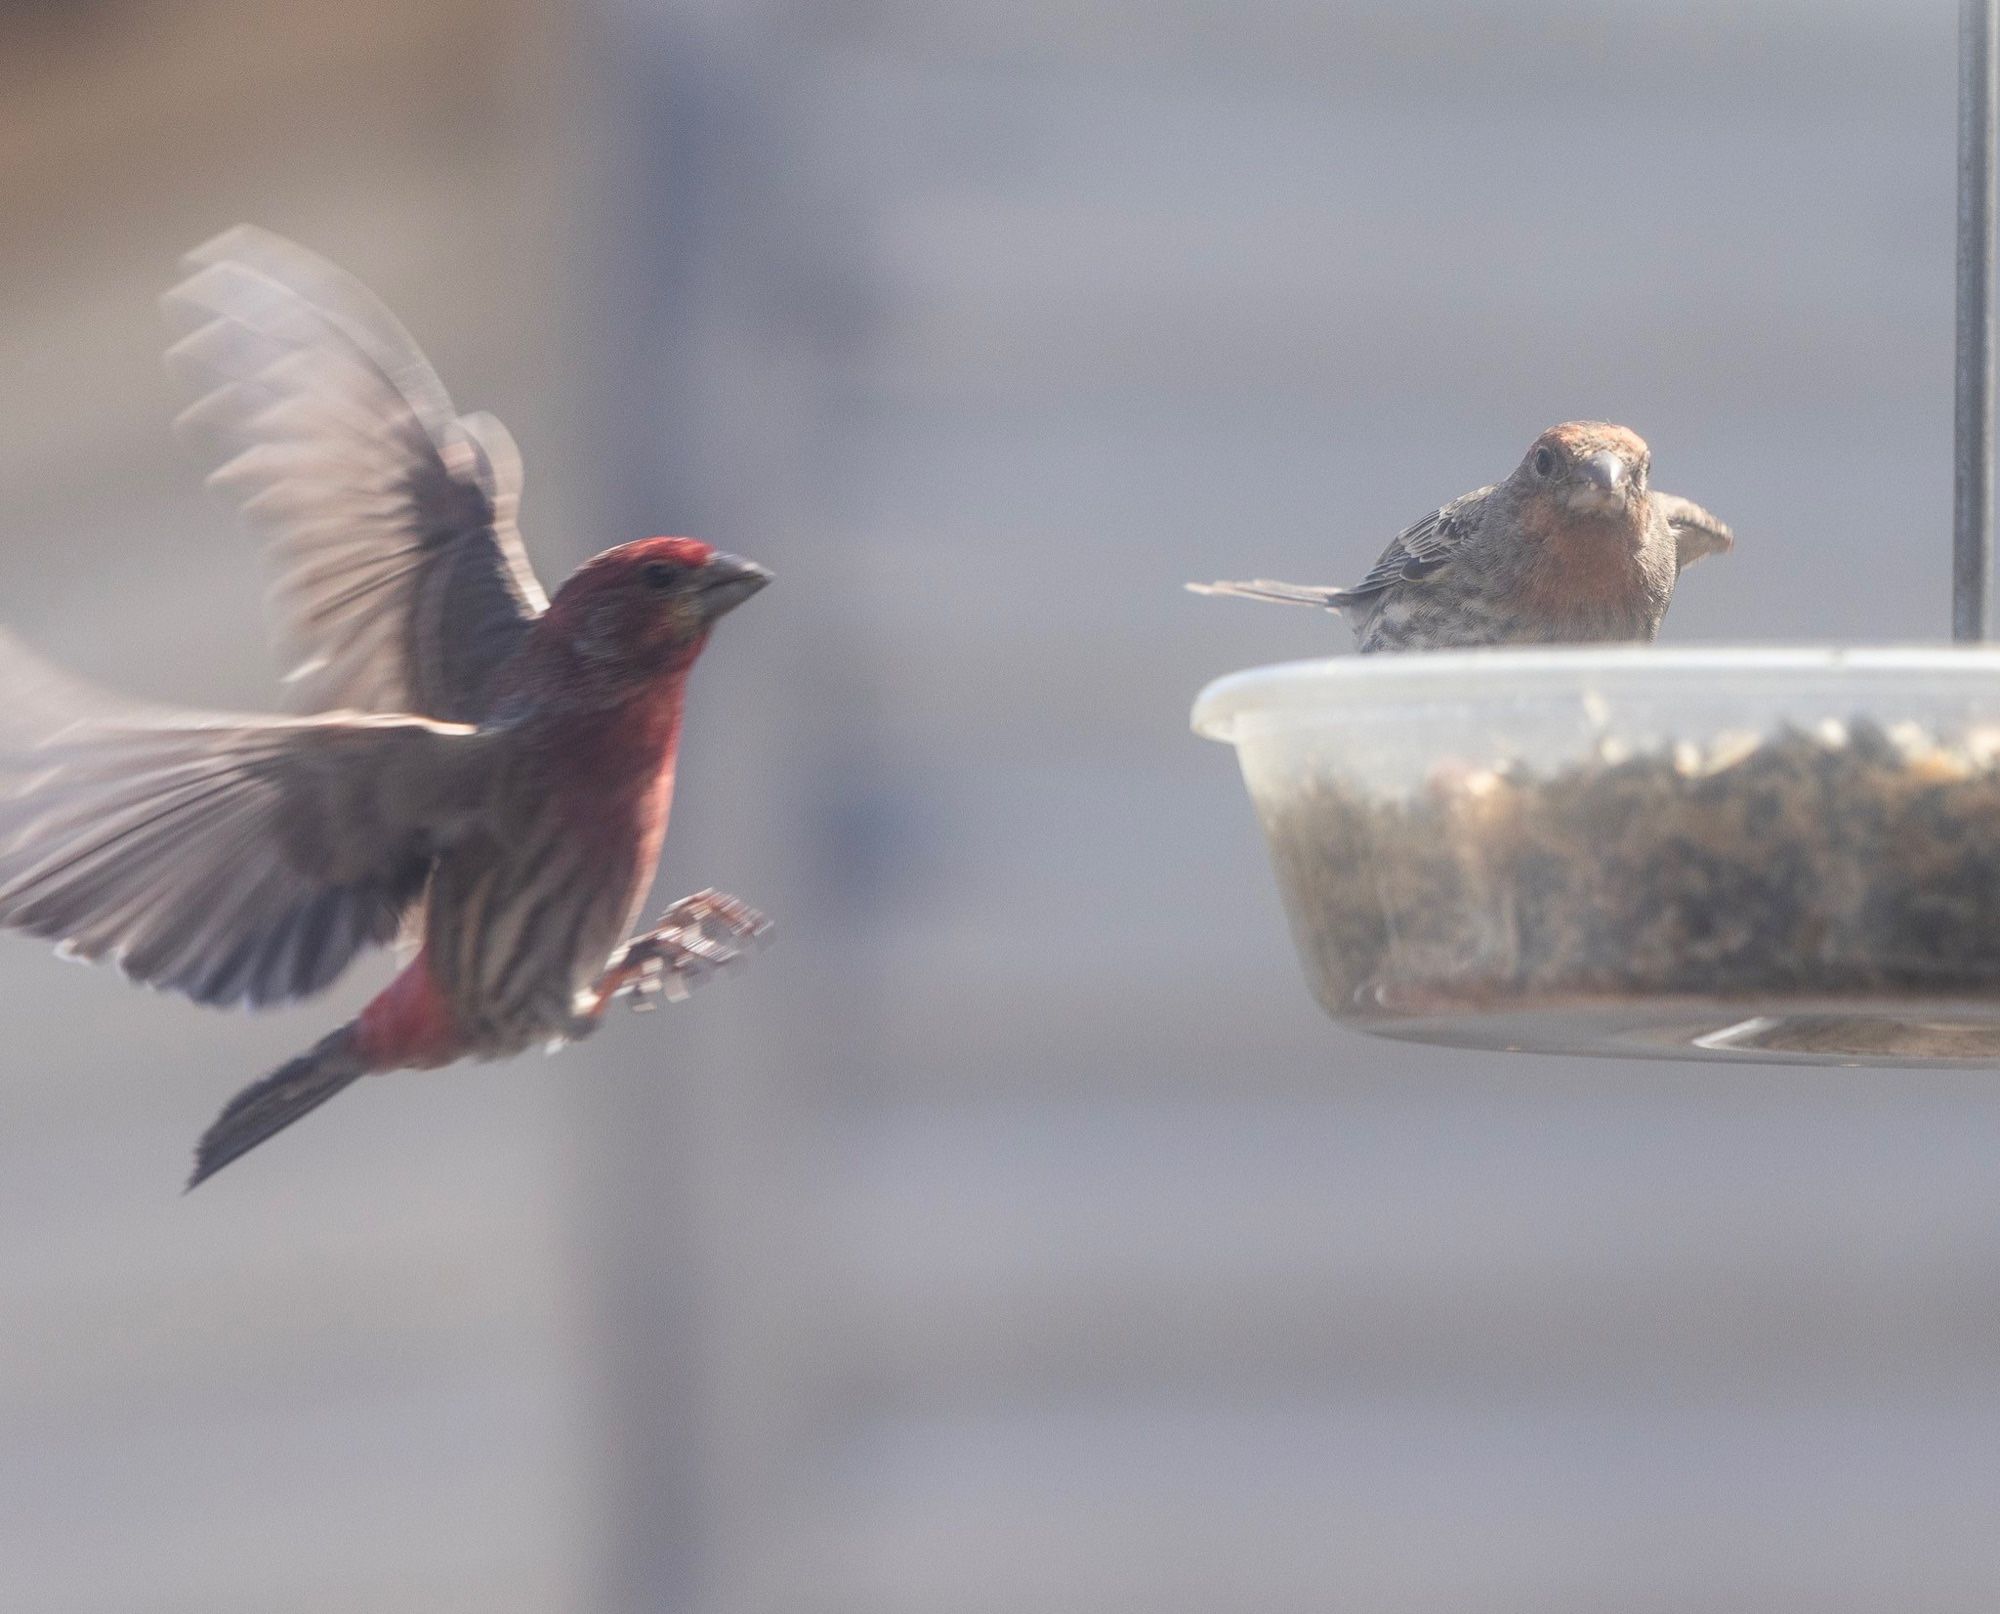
{"points": [[1418, 551], [233, 859], [1696, 532], [399, 583]]}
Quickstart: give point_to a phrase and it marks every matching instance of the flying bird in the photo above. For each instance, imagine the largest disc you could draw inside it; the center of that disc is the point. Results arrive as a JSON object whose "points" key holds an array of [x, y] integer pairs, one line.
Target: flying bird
{"points": [[474, 766], [1574, 547]]}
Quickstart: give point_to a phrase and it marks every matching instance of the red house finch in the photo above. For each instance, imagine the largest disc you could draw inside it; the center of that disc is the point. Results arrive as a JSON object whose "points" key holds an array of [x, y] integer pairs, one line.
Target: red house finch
{"points": [[491, 766], [1572, 547]]}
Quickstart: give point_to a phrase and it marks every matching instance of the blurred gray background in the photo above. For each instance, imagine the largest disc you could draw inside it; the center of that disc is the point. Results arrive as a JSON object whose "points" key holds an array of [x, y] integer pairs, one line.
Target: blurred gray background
{"points": [[1014, 1235]]}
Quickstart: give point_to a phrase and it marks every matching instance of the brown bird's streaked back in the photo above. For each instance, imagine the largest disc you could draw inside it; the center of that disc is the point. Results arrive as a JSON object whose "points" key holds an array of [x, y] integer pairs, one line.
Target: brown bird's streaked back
{"points": [[1573, 547]]}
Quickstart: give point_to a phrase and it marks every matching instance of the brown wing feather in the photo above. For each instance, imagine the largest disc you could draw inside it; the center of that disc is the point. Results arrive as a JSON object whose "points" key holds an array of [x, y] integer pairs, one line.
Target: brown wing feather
{"points": [[399, 582], [1419, 550], [1425, 547], [233, 859], [1696, 532]]}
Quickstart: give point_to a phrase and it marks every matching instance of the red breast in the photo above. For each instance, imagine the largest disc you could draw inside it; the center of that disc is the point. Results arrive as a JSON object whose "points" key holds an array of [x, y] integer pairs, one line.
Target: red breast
{"points": [[1582, 565]]}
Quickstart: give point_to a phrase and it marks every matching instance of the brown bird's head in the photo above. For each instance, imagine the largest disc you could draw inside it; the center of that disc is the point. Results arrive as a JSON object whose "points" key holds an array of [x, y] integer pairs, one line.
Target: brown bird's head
{"points": [[646, 608], [1586, 468]]}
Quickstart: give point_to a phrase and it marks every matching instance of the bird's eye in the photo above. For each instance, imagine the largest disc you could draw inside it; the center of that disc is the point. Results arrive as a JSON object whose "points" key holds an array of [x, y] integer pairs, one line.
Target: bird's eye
{"points": [[1545, 462], [659, 574]]}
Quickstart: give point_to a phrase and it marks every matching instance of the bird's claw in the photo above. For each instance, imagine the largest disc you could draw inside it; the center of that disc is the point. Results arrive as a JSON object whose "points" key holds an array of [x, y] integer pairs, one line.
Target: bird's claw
{"points": [[691, 941]]}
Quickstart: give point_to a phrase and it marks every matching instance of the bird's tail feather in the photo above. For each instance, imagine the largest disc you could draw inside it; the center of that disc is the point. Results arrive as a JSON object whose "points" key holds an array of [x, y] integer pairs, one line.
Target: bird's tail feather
{"points": [[266, 1108], [1263, 588]]}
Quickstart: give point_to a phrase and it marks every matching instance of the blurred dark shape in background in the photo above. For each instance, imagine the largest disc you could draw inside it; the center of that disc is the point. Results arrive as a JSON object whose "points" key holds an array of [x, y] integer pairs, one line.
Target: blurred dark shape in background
{"points": [[1013, 1235]]}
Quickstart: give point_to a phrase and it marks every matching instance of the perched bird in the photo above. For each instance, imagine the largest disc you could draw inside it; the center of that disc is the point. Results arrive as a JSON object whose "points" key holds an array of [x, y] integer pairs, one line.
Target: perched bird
{"points": [[1573, 547], [488, 768]]}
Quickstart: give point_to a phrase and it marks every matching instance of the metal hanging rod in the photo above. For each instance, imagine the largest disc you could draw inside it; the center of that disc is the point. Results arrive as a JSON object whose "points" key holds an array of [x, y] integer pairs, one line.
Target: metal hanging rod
{"points": [[1972, 491]]}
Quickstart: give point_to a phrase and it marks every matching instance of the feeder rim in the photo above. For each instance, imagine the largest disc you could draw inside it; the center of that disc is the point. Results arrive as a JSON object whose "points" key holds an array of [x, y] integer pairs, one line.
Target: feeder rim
{"points": [[1312, 688]]}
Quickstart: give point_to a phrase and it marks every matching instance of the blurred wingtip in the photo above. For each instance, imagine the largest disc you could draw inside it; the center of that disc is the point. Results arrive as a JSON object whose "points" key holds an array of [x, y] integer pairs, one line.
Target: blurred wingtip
{"points": [[239, 240], [37, 698], [23, 667]]}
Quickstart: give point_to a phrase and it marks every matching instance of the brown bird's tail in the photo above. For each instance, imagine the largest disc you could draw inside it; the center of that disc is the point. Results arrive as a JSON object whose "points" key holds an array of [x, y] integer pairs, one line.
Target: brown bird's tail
{"points": [[264, 1109], [1262, 588]]}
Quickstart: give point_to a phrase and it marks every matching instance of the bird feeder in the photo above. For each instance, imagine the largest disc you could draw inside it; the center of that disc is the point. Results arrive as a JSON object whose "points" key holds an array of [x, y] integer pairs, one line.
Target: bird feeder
{"points": [[1774, 855]]}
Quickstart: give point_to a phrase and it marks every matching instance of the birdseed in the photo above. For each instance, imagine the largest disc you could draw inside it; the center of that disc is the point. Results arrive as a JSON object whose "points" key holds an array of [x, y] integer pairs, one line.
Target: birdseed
{"points": [[1812, 862]]}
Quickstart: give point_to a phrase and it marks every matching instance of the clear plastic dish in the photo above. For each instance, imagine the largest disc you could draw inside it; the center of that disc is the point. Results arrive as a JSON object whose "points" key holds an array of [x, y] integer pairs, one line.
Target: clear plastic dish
{"points": [[1776, 855]]}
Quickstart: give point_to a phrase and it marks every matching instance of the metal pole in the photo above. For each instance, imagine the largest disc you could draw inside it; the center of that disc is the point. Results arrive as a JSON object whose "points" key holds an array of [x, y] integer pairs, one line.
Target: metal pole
{"points": [[1972, 501]]}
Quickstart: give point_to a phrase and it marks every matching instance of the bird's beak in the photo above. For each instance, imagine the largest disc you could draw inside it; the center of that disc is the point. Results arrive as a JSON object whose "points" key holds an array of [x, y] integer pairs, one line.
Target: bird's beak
{"points": [[1606, 471], [727, 581], [1601, 480]]}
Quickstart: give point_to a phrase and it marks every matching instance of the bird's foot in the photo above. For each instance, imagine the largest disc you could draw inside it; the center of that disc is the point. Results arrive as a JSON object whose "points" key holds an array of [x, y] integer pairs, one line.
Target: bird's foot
{"points": [[692, 940]]}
